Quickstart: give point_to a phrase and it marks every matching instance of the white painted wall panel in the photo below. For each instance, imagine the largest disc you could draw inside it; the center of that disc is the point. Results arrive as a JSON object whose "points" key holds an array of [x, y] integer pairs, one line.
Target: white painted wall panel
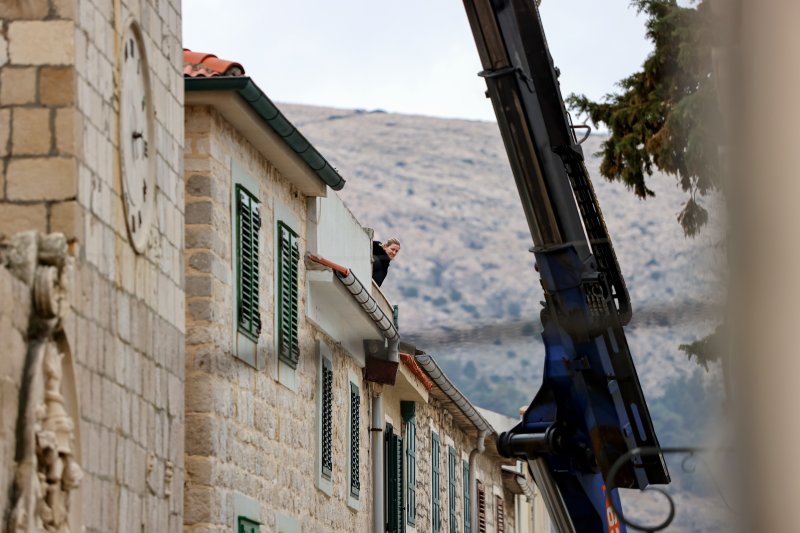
{"points": [[336, 235]]}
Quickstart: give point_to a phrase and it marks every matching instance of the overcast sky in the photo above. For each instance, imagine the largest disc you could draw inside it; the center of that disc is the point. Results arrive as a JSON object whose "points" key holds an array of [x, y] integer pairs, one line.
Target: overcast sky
{"points": [[409, 56]]}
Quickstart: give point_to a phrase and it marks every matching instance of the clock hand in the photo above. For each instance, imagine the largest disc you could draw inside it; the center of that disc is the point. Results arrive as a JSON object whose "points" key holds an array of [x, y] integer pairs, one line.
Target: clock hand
{"points": [[140, 135]]}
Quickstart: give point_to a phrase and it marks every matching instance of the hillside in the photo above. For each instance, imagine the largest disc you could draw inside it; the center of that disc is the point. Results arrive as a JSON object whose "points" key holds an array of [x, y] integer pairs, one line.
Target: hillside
{"points": [[464, 279], [467, 290]]}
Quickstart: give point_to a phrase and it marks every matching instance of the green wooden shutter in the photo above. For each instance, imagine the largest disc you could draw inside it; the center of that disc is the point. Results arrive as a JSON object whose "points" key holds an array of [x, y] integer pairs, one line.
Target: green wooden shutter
{"points": [[248, 222], [390, 475], [481, 508], [451, 487], [435, 508], [327, 418], [398, 467], [500, 520], [245, 525], [288, 274], [411, 476], [394, 481], [467, 509], [355, 407]]}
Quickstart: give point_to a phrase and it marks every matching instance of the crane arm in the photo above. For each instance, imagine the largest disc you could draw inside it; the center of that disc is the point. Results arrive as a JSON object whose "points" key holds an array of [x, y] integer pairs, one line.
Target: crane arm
{"points": [[590, 409]]}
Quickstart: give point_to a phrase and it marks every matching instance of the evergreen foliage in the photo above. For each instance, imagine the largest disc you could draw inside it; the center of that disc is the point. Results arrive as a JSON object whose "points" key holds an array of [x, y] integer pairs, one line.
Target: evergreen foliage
{"points": [[707, 349], [666, 115]]}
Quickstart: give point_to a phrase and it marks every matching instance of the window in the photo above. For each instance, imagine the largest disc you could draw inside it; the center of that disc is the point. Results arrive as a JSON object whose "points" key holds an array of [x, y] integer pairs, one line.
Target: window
{"points": [[467, 509], [248, 222], [481, 508], [394, 481], [288, 273], [245, 525], [451, 486], [246, 256], [501, 514], [326, 425], [355, 408], [411, 461], [436, 519], [324, 416]]}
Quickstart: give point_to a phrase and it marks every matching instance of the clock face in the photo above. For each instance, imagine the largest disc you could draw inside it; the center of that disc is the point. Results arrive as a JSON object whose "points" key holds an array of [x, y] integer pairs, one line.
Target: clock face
{"points": [[136, 139]]}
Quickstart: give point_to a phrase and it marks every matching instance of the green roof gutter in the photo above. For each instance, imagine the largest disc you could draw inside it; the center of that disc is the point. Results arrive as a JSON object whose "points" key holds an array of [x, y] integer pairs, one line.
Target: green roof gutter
{"points": [[263, 106]]}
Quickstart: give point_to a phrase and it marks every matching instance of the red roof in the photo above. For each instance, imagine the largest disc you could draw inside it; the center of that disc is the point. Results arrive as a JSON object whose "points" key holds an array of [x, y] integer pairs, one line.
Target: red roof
{"points": [[420, 374], [202, 64]]}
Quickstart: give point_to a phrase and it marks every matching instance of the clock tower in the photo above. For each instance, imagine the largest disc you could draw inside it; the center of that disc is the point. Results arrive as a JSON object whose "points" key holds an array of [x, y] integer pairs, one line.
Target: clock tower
{"points": [[91, 146]]}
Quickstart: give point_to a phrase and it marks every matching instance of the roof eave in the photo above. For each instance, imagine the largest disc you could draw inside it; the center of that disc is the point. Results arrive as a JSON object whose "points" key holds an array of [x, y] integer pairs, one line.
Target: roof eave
{"points": [[449, 389], [200, 91]]}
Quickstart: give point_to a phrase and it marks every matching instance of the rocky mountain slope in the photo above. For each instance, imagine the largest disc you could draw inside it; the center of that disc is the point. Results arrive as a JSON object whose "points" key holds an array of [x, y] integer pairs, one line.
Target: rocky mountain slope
{"points": [[464, 279]]}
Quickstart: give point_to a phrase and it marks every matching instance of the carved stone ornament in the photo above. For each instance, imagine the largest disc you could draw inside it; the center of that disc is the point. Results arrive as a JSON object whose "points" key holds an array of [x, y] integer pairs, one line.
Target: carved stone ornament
{"points": [[169, 473], [48, 472]]}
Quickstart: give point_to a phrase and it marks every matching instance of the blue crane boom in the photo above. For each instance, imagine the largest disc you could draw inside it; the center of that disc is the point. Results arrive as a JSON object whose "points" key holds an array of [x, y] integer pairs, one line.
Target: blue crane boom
{"points": [[590, 409]]}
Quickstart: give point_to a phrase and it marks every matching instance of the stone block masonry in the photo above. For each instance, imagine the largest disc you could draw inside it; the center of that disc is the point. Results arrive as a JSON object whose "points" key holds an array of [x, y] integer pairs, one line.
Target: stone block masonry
{"points": [[60, 171], [38, 132], [248, 435], [132, 303]]}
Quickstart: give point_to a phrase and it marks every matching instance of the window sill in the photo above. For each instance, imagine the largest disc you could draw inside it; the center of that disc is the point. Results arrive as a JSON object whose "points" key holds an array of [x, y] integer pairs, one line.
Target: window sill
{"points": [[353, 503], [325, 486], [287, 376]]}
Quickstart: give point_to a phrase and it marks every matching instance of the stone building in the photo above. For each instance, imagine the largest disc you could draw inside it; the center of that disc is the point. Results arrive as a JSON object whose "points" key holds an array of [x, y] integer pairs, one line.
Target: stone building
{"points": [[304, 411], [92, 327], [252, 377], [182, 349]]}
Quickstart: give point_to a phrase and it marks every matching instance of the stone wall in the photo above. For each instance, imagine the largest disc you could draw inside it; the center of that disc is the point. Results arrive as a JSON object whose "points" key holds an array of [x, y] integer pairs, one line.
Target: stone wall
{"points": [[250, 440], [130, 307], [59, 104], [333, 513], [15, 310], [248, 435], [38, 132]]}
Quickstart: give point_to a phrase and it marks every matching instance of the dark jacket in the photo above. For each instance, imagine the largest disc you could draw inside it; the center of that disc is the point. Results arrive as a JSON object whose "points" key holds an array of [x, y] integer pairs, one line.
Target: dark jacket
{"points": [[380, 262]]}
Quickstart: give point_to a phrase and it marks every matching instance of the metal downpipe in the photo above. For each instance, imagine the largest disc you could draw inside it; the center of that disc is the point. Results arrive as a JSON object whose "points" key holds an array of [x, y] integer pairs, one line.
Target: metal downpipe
{"points": [[473, 480], [527, 490], [376, 432], [394, 349]]}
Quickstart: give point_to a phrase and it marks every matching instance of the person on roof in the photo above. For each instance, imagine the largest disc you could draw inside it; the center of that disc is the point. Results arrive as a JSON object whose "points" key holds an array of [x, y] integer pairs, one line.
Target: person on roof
{"points": [[382, 255]]}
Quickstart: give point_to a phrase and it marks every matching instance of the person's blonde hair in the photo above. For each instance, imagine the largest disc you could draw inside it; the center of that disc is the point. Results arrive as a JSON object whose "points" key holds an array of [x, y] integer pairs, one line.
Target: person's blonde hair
{"points": [[390, 242]]}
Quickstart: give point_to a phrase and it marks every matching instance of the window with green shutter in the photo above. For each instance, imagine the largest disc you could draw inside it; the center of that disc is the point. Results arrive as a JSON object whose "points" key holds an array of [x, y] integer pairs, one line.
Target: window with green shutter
{"points": [[355, 413], [467, 509], [248, 222], [411, 469], [451, 486], [394, 481], [500, 518], [288, 274], [481, 492], [245, 525], [327, 418], [436, 519]]}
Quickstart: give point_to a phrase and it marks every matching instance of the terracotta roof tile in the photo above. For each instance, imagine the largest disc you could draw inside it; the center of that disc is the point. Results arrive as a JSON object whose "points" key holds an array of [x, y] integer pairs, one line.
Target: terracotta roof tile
{"points": [[202, 64], [420, 374]]}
